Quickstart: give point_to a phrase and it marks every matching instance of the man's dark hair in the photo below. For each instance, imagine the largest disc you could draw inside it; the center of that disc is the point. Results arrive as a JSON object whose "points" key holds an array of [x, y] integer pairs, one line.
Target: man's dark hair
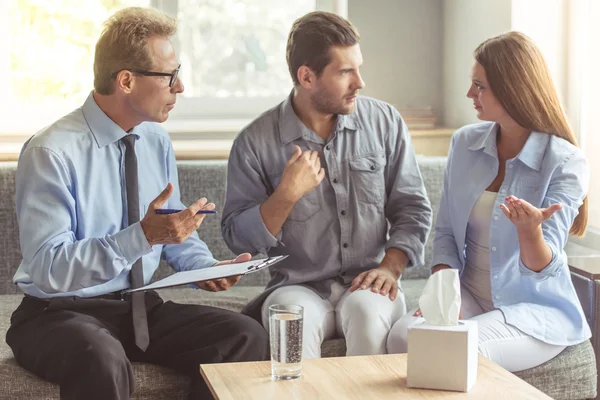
{"points": [[312, 37]]}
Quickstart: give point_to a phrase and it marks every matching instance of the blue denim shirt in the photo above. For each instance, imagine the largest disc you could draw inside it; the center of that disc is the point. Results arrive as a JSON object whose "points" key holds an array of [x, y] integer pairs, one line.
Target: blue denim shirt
{"points": [[548, 170], [72, 208]]}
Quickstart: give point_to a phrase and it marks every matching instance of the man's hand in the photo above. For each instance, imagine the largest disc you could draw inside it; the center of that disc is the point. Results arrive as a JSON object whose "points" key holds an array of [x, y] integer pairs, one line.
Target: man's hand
{"points": [[301, 174], [219, 285], [383, 279], [172, 228]]}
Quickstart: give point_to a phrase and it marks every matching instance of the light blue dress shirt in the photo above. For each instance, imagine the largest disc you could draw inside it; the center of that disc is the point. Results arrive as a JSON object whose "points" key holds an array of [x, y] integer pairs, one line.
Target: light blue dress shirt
{"points": [[548, 170], [72, 207]]}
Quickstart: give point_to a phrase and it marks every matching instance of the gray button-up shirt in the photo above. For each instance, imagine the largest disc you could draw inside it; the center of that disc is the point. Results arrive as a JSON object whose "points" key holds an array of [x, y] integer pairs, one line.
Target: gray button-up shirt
{"points": [[340, 228]]}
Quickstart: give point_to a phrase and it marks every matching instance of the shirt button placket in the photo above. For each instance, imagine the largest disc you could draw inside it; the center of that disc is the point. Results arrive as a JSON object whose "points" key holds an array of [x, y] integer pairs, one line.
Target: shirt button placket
{"points": [[330, 160]]}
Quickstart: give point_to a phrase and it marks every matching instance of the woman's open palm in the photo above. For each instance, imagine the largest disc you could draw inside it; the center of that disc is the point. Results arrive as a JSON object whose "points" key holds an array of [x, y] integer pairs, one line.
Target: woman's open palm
{"points": [[521, 212]]}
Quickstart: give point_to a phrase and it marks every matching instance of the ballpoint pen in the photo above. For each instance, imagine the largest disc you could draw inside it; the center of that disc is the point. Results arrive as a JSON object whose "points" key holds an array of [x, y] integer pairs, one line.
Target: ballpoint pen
{"points": [[174, 211]]}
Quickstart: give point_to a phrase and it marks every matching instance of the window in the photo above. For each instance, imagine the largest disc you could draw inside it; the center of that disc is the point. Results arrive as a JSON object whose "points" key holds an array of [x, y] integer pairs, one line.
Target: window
{"points": [[50, 48], [232, 54], [584, 82], [567, 33]]}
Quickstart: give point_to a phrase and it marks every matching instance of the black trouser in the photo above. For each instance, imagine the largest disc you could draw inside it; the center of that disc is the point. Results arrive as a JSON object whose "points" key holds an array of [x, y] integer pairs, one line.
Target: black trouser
{"points": [[87, 345]]}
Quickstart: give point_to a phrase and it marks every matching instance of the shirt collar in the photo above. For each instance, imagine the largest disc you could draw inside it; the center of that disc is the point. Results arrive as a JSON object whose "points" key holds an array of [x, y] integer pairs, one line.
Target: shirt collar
{"points": [[531, 154], [291, 128], [104, 129], [487, 141]]}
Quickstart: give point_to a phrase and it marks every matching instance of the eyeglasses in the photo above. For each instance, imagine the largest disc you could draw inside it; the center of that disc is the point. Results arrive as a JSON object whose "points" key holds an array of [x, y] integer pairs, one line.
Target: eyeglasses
{"points": [[173, 74]]}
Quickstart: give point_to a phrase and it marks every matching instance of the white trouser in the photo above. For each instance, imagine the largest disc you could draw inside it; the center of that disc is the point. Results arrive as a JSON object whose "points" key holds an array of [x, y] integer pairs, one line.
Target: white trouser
{"points": [[362, 317], [499, 342]]}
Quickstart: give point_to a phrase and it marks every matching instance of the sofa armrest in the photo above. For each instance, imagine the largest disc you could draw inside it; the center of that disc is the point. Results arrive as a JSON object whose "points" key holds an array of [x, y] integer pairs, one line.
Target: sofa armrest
{"points": [[585, 274]]}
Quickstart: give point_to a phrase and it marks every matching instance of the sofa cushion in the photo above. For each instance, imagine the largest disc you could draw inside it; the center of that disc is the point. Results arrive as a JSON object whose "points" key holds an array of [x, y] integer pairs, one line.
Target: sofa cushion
{"points": [[570, 375]]}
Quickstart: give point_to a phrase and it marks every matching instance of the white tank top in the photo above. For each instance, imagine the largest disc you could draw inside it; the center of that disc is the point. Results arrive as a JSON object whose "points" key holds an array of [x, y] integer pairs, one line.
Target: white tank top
{"points": [[476, 276]]}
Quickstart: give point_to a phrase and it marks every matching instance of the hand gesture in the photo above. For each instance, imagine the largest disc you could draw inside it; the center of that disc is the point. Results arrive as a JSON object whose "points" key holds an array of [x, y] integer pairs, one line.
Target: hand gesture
{"points": [[524, 215], [381, 280], [172, 228], [224, 283], [301, 174]]}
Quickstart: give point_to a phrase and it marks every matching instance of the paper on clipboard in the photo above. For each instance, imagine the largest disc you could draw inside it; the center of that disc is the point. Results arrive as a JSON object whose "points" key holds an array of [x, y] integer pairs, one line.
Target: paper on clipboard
{"points": [[208, 274]]}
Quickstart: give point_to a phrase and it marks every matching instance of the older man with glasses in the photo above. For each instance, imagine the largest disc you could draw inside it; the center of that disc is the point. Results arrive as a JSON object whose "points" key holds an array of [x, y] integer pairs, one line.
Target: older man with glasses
{"points": [[83, 184]]}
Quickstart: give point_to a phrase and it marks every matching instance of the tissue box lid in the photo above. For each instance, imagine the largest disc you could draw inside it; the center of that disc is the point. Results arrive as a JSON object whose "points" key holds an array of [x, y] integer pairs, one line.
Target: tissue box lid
{"points": [[463, 326]]}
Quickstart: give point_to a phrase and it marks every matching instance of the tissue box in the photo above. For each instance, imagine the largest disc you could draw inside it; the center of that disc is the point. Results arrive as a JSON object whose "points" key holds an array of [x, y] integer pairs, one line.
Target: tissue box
{"points": [[443, 357]]}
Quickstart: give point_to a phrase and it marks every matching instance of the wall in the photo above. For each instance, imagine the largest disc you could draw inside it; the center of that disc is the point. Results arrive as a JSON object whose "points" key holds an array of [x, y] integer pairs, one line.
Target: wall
{"points": [[401, 42], [467, 23]]}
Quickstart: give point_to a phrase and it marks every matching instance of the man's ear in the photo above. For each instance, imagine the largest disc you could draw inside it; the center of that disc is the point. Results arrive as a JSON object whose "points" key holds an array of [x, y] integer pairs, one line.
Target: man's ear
{"points": [[306, 77], [125, 81]]}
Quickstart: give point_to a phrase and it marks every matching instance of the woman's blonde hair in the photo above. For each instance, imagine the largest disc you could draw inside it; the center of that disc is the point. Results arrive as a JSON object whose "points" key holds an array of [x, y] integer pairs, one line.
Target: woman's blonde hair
{"points": [[123, 43], [520, 79]]}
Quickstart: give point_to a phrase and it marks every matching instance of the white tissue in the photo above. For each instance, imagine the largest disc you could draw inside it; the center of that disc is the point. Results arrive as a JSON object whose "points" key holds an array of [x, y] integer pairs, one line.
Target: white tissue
{"points": [[440, 301]]}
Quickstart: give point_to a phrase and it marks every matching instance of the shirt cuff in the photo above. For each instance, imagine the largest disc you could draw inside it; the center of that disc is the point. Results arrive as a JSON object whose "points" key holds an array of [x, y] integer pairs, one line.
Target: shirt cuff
{"points": [[205, 262], [255, 231], [550, 270], [132, 242], [413, 249]]}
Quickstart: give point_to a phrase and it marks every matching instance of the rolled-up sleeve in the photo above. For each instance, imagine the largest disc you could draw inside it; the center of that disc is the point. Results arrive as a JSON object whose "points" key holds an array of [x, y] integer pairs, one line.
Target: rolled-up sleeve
{"points": [[568, 187], [242, 225], [445, 250], [408, 208]]}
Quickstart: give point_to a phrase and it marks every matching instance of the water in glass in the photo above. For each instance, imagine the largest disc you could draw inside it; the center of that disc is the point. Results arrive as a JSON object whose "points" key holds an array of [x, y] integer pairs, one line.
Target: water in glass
{"points": [[286, 345]]}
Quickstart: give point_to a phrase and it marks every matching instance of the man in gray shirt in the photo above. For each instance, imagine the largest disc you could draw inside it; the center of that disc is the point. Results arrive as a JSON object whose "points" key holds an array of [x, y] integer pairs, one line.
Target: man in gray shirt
{"points": [[318, 178]]}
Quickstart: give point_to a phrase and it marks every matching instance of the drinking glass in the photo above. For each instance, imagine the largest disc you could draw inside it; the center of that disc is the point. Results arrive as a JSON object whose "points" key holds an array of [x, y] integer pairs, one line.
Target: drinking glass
{"points": [[285, 333]]}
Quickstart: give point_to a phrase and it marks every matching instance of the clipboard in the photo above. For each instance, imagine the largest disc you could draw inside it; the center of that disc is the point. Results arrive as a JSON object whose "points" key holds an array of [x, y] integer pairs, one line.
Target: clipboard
{"points": [[209, 274]]}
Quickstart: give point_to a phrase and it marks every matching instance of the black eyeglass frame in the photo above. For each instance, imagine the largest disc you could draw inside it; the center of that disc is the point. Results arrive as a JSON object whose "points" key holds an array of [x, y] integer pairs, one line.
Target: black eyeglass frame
{"points": [[173, 74]]}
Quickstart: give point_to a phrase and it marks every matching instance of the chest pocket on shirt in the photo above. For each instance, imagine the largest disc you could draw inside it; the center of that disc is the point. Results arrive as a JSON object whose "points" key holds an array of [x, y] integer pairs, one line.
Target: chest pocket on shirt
{"points": [[529, 188], [367, 179], [529, 183], [304, 208]]}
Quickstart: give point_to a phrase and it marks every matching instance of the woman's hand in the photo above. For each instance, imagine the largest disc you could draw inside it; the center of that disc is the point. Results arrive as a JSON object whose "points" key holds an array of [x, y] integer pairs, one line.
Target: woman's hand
{"points": [[524, 215]]}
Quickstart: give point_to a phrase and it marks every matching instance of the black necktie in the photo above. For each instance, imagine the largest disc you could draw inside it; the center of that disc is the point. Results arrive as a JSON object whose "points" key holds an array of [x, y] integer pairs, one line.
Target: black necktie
{"points": [[138, 306]]}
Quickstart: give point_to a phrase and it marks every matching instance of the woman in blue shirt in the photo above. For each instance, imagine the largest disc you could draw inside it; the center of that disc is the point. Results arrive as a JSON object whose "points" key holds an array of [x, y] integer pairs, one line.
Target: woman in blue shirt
{"points": [[514, 188]]}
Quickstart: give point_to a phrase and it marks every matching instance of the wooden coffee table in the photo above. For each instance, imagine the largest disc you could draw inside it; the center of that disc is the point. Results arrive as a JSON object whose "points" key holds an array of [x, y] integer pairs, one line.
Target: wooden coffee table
{"points": [[365, 377]]}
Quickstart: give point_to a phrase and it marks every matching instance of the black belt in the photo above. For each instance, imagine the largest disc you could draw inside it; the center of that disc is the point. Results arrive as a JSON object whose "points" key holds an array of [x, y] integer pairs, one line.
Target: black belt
{"points": [[108, 296]]}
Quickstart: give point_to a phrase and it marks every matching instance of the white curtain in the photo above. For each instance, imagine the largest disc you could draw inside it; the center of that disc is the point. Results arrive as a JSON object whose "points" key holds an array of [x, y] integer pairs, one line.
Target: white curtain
{"points": [[584, 91]]}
